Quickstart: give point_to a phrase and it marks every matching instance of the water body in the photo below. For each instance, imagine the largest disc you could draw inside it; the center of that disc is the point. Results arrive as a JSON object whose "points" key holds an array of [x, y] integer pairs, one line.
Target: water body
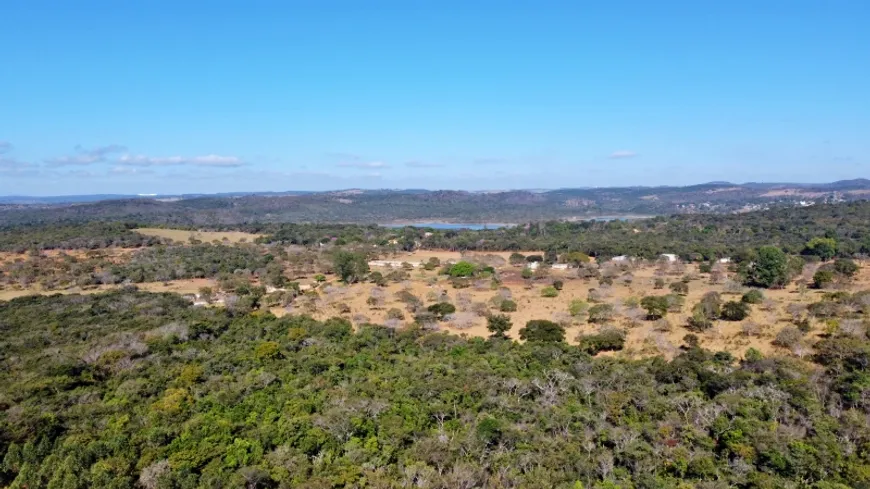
{"points": [[448, 225]]}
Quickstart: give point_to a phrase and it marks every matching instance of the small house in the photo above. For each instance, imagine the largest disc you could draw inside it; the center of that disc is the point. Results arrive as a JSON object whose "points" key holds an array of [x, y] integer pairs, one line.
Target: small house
{"points": [[619, 258], [670, 257]]}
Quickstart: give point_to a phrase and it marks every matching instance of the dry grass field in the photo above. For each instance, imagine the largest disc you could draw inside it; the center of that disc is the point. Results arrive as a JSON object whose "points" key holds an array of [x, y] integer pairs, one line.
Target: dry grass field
{"points": [[184, 236], [630, 284], [643, 338], [190, 286]]}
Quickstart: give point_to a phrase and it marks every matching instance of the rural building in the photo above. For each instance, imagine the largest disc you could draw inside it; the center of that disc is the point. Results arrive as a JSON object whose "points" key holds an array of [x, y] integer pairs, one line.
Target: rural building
{"points": [[560, 266], [619, 258], [670, 257], [724, 260]]}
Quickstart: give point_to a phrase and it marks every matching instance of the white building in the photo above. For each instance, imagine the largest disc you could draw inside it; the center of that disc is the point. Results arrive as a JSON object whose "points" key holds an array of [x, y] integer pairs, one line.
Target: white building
{"points": [[669, 257], [724, 260], [619, 258], [560, 266]]}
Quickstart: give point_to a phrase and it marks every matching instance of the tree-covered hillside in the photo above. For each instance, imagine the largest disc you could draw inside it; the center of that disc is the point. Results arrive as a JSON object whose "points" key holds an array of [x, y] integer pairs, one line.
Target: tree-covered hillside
{"points": [[129, 389]]}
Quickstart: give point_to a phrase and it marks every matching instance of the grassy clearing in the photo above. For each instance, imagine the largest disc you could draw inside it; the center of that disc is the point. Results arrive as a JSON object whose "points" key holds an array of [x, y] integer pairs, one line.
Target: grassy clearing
{"points": [[184, 235]]}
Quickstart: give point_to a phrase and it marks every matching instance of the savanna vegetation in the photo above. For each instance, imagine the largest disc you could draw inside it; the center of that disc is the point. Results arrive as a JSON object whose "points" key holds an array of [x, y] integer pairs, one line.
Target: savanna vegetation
{"points": [[130, 389]]}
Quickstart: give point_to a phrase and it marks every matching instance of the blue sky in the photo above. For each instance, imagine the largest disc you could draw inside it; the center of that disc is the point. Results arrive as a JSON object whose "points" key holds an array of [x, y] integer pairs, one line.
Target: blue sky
{"points": [[165, 96]]}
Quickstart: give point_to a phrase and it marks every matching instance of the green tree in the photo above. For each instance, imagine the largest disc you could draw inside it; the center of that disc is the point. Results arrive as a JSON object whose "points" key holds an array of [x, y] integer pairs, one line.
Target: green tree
{"points": [[351, 267], [507, 305], [462, 269], [541, 330], [498, 325], [770, 270], [824, 248], [656, 306]]}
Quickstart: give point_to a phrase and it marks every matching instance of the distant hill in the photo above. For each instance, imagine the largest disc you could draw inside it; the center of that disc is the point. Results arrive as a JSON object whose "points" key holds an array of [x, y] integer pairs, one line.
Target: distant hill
{"points": [[390, 205]]}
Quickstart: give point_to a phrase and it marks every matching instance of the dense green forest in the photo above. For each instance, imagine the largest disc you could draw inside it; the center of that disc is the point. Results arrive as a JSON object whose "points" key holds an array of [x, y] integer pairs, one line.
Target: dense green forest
{"points": [[87, 236], [698, 237], [128, 389], [695, 237]]}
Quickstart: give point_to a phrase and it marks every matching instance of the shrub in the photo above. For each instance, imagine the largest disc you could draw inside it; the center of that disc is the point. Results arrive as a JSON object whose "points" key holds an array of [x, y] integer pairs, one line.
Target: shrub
{"points": [[845, 267], [507, 305], [680, 288], [441, 309], [753, 296], [609, 339], [549, 292], [656, 306], [788, 337], [541, 330], [462, 269], [267, 350], [558, 284], [601, 313], [662, 325], [699, 322], [735, 311], [527, 273], [659, 283], [822, 278], [705, 268], [395, 313], [578, 307]]}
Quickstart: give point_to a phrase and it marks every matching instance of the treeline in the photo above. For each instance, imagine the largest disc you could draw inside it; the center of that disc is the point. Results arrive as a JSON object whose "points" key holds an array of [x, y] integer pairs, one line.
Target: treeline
{"points": [[86, 236], [128, 389], [692, 237], [696, 237], [197, 261]]}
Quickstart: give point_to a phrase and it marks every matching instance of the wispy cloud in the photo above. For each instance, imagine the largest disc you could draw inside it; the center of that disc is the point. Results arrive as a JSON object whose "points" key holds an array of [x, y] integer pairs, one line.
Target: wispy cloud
{"points": [[5, 147], [216, 161], [126, 170], [86, 156], [423, 164], [363, 164], [622, 153]]}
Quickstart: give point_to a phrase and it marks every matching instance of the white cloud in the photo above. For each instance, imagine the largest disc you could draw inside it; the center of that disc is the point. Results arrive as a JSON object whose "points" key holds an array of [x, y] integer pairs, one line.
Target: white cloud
{"points": [[85, 156], [622, 153], [360, 164], [216, 161]]}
